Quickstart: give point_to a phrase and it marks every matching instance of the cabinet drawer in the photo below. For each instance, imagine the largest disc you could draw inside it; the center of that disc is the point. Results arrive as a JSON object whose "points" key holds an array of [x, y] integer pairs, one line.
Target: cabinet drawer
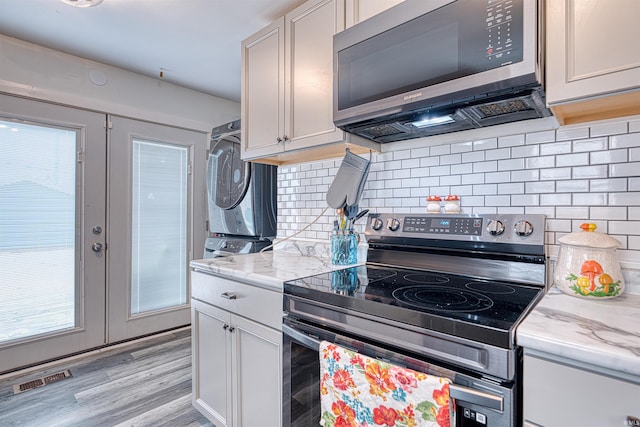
{"points": [[556, 394], [258, 304]]}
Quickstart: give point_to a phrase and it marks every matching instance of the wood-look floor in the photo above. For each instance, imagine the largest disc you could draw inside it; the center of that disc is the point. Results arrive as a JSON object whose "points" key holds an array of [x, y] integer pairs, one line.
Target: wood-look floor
{"points": [[145, 384]]}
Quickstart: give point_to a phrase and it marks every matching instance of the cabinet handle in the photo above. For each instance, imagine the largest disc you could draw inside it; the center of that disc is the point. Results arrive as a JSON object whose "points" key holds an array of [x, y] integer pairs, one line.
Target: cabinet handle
{"points": [[278, 140], [227, 295], [225, 326], [633, 421], [285, 138], [231, 329]]}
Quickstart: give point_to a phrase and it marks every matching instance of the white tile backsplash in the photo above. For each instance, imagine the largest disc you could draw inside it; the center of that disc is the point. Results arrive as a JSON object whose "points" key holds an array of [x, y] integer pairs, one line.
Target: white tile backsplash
{"points": [[606, 129], [572, 174]]}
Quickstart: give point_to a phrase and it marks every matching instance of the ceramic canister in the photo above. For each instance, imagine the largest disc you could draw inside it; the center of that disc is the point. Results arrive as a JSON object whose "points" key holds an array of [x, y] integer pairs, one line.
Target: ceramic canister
{"points": [[433, 204], [452, 204], [587, 265]]}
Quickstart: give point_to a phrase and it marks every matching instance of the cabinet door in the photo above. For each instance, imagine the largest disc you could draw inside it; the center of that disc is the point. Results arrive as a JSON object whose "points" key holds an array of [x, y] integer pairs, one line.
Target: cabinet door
{"points": [[559, 395], [359, 10], [258, 373], [211, 363], [309, 73], [591, 48], [263, 91]]}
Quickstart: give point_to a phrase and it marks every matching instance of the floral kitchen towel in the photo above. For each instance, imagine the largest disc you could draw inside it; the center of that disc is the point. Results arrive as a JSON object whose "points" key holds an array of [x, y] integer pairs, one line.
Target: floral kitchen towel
{"points": [[358, 391]]}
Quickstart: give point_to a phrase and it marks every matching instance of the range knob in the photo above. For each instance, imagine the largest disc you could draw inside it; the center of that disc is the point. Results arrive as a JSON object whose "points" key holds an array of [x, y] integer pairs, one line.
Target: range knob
{"points": [[523, 228], [393, 224], [376, 224], [495, 227]]}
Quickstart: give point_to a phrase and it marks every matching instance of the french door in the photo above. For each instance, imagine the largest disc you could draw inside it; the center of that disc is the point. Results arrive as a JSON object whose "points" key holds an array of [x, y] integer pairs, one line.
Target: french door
{"points": [[52, 221], [150, 225], [96, 219]]}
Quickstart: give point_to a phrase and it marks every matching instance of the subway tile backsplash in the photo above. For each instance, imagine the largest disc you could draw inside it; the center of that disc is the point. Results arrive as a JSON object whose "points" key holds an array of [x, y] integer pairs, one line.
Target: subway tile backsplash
{"points": [[572, 174]]}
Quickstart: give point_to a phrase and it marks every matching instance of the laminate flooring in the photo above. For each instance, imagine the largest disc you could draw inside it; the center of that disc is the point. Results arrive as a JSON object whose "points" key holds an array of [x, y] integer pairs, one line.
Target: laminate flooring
{"points": [[147, 383]]}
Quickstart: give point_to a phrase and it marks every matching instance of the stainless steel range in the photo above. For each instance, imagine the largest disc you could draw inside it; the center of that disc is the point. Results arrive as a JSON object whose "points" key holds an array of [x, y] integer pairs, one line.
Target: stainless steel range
{"points": [[442, 294]]}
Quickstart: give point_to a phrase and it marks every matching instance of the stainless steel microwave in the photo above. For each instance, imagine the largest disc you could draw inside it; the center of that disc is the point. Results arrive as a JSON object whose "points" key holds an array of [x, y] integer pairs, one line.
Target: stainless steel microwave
{"points": [[426, 67]]}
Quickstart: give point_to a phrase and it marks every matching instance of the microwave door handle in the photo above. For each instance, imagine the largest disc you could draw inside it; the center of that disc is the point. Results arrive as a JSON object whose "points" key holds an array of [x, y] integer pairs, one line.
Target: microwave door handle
{"points": [[476, 397], [301, 337]]}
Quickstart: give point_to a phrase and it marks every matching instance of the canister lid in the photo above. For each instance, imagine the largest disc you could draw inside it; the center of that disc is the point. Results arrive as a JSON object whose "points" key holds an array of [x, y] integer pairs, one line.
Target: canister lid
{"points": [[589, 238]]}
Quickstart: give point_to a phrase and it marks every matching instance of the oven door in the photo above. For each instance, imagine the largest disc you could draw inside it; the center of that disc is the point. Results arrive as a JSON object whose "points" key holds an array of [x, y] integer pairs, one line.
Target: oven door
{"points": [[474, 401]]}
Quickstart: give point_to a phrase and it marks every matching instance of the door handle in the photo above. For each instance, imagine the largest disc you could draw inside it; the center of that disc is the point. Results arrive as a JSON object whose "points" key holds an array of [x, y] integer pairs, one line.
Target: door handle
{"points": [[309, 341], [476, 397], [96, 247]]}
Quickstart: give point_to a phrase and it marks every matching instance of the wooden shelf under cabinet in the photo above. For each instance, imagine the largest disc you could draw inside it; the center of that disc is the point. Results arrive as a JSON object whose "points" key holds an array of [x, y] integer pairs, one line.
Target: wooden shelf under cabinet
{"points": [[606, 107]]}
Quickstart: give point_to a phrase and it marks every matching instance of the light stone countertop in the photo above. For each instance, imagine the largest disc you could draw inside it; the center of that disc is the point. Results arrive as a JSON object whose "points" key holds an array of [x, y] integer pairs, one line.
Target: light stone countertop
{"points": [[602, 336], [599, 335], [289, 260]]}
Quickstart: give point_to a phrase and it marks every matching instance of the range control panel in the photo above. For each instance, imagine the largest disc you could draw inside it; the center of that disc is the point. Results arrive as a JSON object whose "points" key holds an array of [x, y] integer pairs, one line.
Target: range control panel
{"points": [[511, 228], [443, 225]]}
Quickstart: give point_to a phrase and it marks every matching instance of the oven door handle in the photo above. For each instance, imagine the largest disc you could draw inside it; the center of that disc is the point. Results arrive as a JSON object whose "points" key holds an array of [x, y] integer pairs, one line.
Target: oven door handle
{"points": [[309, 341], [476, 397]]}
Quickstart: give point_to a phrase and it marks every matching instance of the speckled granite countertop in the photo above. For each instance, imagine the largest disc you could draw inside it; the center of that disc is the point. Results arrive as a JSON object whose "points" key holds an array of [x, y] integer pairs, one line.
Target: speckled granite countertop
{"points": [[598, 335]]}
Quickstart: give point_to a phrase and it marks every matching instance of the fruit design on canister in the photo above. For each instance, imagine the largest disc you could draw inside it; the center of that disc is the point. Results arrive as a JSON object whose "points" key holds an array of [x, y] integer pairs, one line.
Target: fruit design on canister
{"points": [[593, 281]]}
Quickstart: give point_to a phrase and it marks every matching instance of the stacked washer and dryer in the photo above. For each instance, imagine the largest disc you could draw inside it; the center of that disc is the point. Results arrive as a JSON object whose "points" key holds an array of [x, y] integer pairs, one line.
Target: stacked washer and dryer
{"points": [[241, 197]]}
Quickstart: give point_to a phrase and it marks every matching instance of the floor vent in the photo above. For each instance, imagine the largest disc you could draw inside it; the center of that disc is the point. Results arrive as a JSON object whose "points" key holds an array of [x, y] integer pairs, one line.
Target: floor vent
{"points": [[30, 385]]}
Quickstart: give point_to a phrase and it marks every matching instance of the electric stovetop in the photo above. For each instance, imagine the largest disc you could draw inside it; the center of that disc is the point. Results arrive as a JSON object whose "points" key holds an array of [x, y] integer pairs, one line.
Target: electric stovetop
{"points": [[480, 310]]}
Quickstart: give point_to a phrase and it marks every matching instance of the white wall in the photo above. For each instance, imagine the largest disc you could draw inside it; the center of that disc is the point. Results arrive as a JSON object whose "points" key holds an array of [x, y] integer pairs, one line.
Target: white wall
{"points": [[573, 174], [34, 71], [44, 74]]}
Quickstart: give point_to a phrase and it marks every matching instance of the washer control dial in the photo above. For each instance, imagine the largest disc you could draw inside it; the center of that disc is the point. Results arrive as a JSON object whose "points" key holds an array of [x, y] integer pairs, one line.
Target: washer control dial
{"points": [[495, 227], [523, 228]]}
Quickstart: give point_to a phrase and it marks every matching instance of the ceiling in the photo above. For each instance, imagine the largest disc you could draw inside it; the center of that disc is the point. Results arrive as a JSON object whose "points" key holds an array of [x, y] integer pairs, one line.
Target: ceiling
{"points": [[193, 43]]}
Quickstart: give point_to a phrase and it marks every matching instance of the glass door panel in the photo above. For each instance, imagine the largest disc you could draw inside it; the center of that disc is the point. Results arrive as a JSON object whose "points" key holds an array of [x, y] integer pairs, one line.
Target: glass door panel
{"points": [[159, 226], [37, 230], [52, 282]]}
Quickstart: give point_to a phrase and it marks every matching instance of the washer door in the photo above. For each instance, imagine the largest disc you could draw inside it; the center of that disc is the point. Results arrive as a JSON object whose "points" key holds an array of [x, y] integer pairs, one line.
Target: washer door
{"points": [[229, 176]]}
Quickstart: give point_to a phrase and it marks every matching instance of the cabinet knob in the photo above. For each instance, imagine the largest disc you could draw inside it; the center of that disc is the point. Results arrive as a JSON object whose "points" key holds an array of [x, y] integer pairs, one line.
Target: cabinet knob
{"points": [[633, 421], [225, 326], [231, 329]]}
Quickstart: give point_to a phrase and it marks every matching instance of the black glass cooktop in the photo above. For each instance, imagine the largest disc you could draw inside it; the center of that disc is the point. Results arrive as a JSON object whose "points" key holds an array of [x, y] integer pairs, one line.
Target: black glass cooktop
{"points": [[480, 310]]}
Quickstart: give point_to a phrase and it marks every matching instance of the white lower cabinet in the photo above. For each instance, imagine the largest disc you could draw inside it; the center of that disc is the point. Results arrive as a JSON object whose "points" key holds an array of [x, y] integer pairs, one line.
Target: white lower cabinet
{"points": [[559, 395], [237, 360]]}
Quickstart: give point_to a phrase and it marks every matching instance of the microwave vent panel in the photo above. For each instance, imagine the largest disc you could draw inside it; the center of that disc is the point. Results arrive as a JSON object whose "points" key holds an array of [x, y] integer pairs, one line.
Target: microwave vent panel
{"points": [[379, 131], [505, 107]]}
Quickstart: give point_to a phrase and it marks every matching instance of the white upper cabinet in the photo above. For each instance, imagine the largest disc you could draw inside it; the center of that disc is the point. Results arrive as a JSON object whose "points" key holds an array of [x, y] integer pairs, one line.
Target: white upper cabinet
{"points": [[262, 126], [287, 88], [359, 10], [593, 59]]}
